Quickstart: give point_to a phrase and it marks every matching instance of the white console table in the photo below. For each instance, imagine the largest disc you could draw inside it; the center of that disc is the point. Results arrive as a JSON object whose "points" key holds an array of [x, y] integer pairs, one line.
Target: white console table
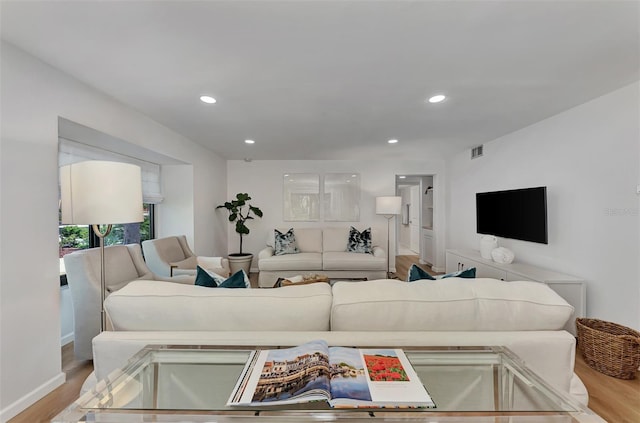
{"points": [[571, 288]]}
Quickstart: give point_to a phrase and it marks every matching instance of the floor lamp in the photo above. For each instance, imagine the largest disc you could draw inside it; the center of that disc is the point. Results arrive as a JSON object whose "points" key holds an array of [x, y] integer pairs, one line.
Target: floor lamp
{"points": [[101, 193], [388, 207]]}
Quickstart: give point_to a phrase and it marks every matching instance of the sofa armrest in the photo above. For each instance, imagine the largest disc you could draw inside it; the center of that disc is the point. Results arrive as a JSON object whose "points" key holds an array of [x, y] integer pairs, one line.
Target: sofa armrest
{"points": [[379, 252], [266, 253]]}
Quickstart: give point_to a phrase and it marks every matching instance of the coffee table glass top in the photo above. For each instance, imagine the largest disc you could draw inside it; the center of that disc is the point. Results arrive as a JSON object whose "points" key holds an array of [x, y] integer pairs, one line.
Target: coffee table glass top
{"points": [[179, 384]]}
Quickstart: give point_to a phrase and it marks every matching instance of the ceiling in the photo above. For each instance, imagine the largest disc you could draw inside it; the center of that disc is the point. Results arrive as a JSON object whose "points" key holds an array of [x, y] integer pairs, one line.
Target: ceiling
{"points": [[337, 79]]}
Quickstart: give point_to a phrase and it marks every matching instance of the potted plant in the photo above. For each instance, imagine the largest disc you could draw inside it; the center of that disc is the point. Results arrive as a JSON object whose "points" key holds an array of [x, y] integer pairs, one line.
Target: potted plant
{"points": [[239, 212]]}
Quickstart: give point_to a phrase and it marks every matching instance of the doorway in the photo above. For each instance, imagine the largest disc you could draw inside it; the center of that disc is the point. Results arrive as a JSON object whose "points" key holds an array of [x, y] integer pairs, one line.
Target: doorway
{"points": [[414, 227]]}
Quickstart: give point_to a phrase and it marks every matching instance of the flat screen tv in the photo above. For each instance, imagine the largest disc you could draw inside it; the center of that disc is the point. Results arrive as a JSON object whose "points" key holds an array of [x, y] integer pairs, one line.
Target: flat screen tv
{"points": [[516, 214]]}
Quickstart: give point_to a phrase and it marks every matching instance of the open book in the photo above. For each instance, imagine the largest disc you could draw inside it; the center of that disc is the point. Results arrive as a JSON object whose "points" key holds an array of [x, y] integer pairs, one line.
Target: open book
{"points": [[344, 377]]}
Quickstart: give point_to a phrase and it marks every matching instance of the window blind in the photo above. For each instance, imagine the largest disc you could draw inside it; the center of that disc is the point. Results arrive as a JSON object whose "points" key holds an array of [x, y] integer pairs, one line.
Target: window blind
{"points": [[70, 152]]}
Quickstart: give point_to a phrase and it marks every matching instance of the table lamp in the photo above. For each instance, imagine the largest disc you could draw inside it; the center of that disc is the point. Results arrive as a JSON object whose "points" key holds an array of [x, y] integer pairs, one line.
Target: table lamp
{"points": [[101, 193], [388, 207]]}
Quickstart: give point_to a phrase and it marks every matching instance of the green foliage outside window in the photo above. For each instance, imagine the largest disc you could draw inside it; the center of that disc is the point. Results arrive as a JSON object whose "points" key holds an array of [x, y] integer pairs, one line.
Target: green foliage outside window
{"points": [[74, 237], [77, 237]]}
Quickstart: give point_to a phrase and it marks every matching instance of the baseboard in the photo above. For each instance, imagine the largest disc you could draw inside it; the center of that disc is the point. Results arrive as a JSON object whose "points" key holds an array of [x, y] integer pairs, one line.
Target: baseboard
{"points": [[32, 397], [438, 269], [67, 339]]}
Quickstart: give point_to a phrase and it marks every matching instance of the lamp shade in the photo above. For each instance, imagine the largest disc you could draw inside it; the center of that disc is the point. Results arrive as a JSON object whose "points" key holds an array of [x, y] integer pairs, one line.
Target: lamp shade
{"points": [[388, 205], [99, 192]]}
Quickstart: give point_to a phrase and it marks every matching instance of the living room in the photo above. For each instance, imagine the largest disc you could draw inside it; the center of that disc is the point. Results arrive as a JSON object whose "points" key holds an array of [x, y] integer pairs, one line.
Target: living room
{"points": [[586, 152]]}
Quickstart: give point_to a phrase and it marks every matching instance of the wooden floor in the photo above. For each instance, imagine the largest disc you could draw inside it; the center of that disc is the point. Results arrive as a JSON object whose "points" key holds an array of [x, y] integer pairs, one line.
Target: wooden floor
{"points": [[616, 400], [52, 404]]}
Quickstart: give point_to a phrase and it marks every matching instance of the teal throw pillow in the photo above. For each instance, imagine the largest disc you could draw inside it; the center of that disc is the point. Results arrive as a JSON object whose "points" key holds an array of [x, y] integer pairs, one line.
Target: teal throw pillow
{"points": [[417, 273], [237, 280], [213, 280], [204, 278]]}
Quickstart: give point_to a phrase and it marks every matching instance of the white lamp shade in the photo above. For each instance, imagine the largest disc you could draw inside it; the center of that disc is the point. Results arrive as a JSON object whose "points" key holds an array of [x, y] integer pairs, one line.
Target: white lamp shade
{"points": [[99, 192], [388, 205]]}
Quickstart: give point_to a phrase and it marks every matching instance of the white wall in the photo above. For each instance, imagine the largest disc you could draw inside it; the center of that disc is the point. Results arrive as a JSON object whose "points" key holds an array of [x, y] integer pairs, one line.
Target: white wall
{"points": [[588, 159], [262, 179], [66, 316], [175, 214], [34, 95]]}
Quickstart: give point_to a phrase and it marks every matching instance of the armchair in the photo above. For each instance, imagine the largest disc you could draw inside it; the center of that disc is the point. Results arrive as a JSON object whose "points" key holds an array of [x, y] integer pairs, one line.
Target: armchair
{"points": [[123, 264], [163, 254]]}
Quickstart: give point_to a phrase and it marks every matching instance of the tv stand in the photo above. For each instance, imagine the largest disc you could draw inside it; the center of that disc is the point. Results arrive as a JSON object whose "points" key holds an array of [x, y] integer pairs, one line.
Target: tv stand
{"points": [[571, 288]]}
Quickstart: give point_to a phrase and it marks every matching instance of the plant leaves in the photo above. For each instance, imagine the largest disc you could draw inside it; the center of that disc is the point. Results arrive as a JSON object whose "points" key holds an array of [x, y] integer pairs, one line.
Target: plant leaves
{"points": [[256, 211], [241, 228]]}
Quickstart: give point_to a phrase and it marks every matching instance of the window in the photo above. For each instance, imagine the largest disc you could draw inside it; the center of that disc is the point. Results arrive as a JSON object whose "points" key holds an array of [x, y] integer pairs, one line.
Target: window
{"points": [[79, 237], [73, 237]]}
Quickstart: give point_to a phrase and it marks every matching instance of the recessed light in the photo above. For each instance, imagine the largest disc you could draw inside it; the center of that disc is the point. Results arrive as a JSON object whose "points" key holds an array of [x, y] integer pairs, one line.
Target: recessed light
{"points": [[207, 99], [354, 176], [249, 142], [437, 98], [402, 177], [392, 141], [286, 174]]}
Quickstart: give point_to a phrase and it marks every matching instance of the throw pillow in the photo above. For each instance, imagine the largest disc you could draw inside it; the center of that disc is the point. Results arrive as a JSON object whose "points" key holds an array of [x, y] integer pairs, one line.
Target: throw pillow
{"points": [[359, 242], [213, 280], [285, 243], [416, 273]]}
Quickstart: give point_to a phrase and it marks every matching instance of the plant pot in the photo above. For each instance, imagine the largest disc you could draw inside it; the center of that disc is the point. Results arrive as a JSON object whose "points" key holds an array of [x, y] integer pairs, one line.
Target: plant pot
{"points": [[239, 261]]}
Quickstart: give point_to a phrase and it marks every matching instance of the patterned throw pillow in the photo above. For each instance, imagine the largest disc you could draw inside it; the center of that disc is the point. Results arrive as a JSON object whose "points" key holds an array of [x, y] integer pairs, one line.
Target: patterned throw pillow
{"points": [[285, 243], [213, 280], [359, 242], [416, 273]]}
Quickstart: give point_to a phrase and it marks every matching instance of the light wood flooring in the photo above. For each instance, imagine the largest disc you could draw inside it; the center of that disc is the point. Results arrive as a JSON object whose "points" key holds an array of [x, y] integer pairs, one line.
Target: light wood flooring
{"points": [[616, 400]]}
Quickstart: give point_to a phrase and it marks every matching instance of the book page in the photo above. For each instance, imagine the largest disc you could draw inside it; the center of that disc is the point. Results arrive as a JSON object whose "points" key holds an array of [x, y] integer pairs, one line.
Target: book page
{"points": [[392, 379], [375, 378], [284, 376], [348, 375]]}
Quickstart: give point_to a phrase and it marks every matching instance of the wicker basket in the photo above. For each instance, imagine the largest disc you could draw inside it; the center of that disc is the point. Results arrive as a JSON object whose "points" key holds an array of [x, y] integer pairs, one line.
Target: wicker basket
{"points": [[609, 348]]}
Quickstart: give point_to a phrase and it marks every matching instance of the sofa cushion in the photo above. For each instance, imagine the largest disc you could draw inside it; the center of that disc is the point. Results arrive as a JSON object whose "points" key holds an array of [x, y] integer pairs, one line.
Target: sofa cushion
{"points": [[120, 264], [352, 261], [188, 263], [300, 261], [170, 249], [452, 304], [335, 239], [162, 306]]}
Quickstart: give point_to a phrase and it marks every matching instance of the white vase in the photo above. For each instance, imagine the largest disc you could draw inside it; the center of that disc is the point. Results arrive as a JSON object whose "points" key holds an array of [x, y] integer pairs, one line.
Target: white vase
{"points": [[487, 244]]}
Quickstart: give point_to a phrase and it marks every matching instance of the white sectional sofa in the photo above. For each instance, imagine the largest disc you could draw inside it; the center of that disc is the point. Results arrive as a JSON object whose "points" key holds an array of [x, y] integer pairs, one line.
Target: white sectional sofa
{"points": [[526, 317], [322, 251]]}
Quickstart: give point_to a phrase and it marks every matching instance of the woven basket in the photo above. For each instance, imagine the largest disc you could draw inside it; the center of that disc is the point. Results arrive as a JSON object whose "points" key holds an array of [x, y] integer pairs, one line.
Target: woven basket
{"points": [[609, 348]]}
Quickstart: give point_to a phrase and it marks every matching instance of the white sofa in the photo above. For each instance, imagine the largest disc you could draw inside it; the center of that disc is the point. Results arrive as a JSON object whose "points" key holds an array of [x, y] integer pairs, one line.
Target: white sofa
{"points": [[526, 317], [322, 251]]}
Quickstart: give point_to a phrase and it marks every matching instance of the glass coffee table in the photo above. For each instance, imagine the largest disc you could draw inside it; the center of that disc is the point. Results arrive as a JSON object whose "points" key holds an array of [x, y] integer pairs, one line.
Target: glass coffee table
{"points": [[193, 384]]}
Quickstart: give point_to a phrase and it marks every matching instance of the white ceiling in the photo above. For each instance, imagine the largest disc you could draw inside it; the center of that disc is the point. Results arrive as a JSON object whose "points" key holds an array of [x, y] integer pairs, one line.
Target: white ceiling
{"points": [[337, 79]]}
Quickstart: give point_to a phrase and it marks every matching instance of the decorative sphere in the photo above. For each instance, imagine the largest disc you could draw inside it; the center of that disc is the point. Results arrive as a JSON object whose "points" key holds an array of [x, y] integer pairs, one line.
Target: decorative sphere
{"points": [[502, 255]]}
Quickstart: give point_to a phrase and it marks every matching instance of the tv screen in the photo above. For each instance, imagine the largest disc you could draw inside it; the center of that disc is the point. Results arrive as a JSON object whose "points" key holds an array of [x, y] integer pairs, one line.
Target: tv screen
{"points": [[516, 214]]}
